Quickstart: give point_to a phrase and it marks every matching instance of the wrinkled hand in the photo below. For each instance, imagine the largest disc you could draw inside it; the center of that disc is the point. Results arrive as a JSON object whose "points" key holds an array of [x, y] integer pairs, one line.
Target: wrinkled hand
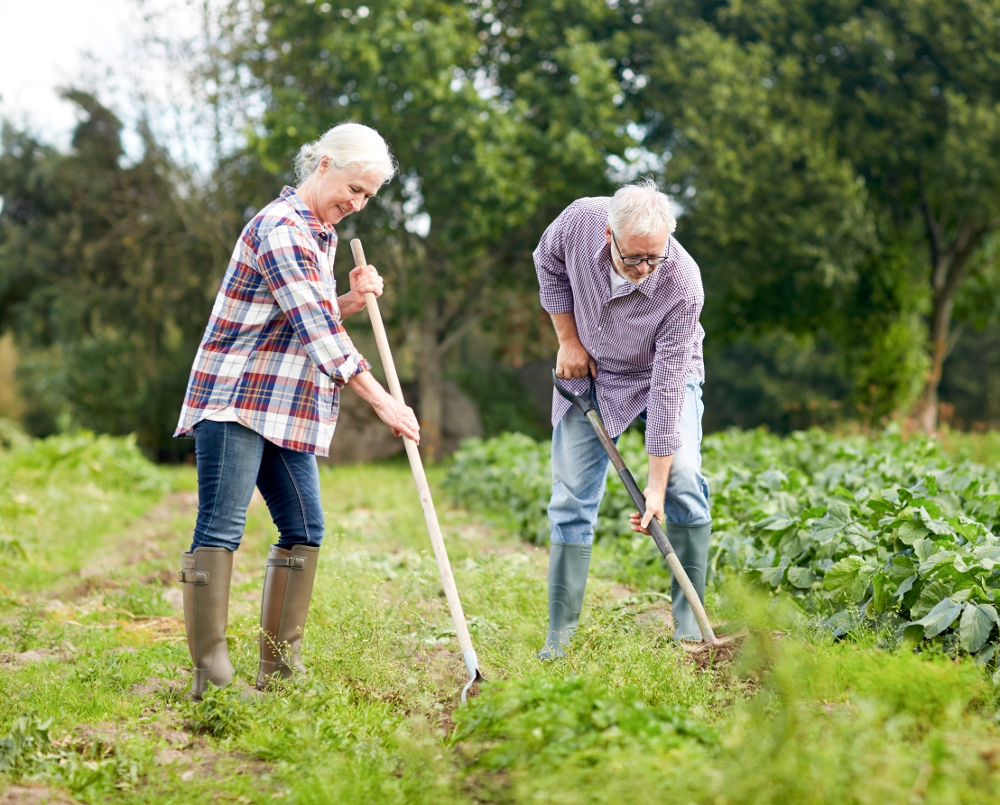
{"points": [[654, 508], [399, 417], [573, 360], [365, 279]]}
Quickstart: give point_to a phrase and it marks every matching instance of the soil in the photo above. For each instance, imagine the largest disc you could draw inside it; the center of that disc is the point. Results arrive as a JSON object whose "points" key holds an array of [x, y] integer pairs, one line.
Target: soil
{"points": [[714, 658], [34, 795]]}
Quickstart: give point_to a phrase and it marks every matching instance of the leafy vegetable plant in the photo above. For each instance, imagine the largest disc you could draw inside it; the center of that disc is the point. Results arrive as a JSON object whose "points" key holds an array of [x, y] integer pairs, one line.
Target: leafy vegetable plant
{"points": [[886, 533]]}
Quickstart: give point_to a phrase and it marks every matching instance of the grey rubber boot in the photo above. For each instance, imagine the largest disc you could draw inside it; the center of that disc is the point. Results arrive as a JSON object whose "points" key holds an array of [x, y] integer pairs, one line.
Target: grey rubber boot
{"points": [[205, 576], [691, 544], [568, 568], [288, 585]]}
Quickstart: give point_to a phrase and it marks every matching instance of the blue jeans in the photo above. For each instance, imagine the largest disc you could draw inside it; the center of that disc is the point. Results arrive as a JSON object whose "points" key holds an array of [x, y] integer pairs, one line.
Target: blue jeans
{"points": [[580, 471], [232, 459]]}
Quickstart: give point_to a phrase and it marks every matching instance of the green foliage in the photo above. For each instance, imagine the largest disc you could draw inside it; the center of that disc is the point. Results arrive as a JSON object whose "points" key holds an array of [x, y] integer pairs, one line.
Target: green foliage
{"points": [[504, 405], [83, 457], [777, 381], [68, 483], [29, 751], [838, 167], [891, 529], [221, 712], [626, 717], [509, 473], [544, 722], [107, 274], [137, 598]]}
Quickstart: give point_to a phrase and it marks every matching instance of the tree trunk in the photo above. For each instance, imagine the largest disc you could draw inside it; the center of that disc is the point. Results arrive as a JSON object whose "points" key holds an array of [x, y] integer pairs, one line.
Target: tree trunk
{"points": [[940, 324], [429, 358], [948, 267]]}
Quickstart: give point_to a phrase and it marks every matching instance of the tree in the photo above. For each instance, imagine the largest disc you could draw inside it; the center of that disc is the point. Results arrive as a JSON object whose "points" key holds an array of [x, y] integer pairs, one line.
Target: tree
{"points": [[110, 268], [779, 115], [499, 117]]}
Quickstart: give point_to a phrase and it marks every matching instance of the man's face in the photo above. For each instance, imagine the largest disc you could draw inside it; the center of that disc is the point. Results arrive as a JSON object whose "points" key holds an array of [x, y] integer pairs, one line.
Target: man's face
{"points": [[653, 246], [341, 192]]}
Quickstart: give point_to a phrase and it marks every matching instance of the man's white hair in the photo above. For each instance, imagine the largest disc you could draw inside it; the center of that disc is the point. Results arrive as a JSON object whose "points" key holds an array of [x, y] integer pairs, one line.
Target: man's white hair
{"points": [[348, 145], [640, 209]]}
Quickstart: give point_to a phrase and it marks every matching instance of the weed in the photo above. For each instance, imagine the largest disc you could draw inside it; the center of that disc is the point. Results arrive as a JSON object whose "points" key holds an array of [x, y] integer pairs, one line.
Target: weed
{"points": [[140, 599], [28, 751], [540, 721], [28, 628], [221, 712]]}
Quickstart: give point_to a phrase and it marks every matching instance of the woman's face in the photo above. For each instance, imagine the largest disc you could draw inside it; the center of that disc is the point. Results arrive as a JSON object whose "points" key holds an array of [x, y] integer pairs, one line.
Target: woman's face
{"points": [[334, 194]]}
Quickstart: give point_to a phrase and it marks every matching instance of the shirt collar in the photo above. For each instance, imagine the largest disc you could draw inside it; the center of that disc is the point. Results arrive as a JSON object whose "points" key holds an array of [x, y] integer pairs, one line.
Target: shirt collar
{"points": [[319, 230], [650, 285]]}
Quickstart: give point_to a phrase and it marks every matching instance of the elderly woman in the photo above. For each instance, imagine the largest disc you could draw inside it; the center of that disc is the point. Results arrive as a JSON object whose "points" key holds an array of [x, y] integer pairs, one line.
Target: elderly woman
{"points": [[263, 398]]}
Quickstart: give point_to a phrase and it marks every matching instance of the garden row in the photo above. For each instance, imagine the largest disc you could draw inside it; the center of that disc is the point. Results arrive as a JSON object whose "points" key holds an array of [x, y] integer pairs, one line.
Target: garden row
{"points": [[890, 534]]}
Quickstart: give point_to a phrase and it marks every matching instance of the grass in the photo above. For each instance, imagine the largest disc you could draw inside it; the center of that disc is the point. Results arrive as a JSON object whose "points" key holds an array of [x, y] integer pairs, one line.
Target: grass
{"points": [[93, 670]]}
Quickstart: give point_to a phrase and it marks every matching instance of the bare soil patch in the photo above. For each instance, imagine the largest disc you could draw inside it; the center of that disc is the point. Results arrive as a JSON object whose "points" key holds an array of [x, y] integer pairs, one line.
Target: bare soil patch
{"points": [[34, 795], [714, 658], [154, 685], [14, 661]]}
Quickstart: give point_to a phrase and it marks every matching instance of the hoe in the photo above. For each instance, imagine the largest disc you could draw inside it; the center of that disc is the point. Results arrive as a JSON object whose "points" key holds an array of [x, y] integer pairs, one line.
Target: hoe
{"points": [[424, 491], [586, 402]]}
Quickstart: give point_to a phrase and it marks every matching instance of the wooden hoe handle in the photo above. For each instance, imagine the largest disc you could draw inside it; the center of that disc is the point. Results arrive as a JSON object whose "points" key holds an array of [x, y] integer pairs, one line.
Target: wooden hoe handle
{"points": [[423, 488]]}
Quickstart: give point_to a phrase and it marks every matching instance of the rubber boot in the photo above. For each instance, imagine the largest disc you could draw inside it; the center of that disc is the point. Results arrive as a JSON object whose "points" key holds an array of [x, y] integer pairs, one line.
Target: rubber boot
{"points": [[568, 568], [288, 584], [205, 576], [691, 544]]}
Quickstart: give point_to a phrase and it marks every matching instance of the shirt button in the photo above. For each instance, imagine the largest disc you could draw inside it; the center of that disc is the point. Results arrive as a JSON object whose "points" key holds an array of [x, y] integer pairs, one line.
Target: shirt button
{"points": [[599, 329]]}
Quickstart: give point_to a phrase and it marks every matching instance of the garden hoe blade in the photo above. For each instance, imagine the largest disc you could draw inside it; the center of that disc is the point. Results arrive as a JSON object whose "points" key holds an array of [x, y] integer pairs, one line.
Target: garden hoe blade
{"points": [[587, 403], [424, 491]]}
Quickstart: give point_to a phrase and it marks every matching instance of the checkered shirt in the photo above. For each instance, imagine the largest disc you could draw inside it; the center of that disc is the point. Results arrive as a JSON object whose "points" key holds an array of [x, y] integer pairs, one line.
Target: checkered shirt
{"points": [[275, 348], [645, 339]]}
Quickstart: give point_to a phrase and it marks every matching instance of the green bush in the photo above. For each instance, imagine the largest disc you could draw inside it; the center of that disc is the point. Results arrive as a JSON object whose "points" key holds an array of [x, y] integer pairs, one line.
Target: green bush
{"points": [[109, 462]]}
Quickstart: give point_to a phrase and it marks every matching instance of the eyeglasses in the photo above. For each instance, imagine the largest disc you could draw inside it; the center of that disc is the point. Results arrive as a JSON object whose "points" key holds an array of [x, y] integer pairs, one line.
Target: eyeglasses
{"points": [[652, 262]]}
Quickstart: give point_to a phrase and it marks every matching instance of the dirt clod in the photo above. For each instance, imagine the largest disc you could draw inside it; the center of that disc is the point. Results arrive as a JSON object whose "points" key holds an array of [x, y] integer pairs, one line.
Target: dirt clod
{"points": [[706, 657]]}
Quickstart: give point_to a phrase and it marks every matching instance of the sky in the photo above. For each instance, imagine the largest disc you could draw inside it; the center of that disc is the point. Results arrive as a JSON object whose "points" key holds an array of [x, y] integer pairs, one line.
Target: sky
{"points": [[45, 44]]}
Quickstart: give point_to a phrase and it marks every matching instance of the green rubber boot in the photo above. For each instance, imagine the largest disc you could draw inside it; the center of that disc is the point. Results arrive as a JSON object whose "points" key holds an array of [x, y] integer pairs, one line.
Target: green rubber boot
{"points": [[568, 568], [691, 544]]}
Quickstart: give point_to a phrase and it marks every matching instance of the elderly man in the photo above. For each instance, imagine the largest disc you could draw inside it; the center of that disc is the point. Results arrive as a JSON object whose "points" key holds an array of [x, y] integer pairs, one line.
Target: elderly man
{"points": [[624, 298]]}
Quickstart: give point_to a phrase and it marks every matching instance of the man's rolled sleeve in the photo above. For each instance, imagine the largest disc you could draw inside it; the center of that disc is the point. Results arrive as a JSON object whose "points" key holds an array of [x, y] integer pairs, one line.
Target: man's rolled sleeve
{"points": [[550, 265], [287, 263], [669, 378]]}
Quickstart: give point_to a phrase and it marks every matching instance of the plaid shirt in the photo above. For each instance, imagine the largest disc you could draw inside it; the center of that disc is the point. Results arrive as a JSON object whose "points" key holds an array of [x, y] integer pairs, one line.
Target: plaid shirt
{"points": [[275, 348], [645, 339]]}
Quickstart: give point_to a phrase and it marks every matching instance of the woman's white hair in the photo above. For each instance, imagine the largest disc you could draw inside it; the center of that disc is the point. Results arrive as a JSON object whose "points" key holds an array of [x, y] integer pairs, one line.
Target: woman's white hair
{"points": [[641, 209], [347, 145]]}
